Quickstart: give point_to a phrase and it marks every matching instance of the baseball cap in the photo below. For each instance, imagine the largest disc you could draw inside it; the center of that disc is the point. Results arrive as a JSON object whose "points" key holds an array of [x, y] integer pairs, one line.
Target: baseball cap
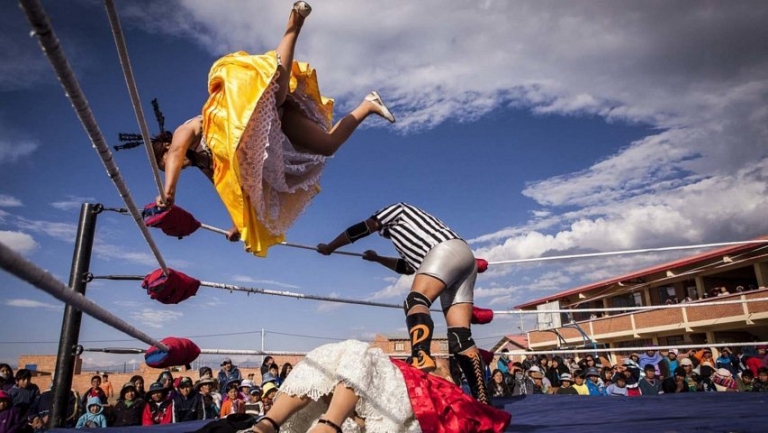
{"points": [[686, 361]]}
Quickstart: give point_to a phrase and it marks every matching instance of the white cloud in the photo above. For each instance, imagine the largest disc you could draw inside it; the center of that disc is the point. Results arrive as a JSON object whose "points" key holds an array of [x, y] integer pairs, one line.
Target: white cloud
{"points": [[156, 319], [29, 303], [398, 290], [9, 201], [61, 231], [326, 307], [13, 151], [20, 242], [72, 202]]}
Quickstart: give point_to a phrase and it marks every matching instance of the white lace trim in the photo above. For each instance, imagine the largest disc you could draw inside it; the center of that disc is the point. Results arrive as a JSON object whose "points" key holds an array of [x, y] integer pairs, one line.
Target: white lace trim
{"points": [[383, 403], [280, 179]]}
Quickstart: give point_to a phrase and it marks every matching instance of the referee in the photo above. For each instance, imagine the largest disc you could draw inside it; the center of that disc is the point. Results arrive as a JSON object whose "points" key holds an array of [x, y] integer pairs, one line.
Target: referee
{"points": [[444, 266]]}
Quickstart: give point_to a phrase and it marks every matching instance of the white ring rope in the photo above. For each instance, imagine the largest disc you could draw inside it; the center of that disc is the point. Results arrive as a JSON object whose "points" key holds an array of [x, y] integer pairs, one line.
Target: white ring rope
{"points": [[640, 251], [130, 81], [50, 45], [12, 262]]}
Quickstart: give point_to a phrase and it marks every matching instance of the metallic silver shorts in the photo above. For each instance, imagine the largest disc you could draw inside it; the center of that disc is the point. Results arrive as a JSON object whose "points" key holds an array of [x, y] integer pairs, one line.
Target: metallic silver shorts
{"points": [[453, 263]]}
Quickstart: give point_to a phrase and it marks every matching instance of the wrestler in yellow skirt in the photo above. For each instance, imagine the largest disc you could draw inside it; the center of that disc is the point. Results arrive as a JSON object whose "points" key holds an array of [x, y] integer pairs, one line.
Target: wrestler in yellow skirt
{"points": [[264, 181]]}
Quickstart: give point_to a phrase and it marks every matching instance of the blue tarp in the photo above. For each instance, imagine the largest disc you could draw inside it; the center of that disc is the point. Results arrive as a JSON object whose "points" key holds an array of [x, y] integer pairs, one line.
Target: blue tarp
{"points": [[688, 412]]}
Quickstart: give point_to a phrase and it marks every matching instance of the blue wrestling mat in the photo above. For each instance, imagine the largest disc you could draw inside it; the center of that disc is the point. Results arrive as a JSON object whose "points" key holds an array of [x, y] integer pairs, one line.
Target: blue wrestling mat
{"points": [[687, 412]]}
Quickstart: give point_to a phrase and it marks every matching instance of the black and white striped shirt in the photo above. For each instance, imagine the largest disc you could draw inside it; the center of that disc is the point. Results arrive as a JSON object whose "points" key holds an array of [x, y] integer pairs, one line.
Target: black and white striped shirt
{"points": [[413, 231]]}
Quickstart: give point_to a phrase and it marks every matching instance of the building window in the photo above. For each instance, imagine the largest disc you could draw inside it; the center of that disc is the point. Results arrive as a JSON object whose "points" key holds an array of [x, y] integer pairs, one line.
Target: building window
{"points": [[399, 347], [668, 294]]}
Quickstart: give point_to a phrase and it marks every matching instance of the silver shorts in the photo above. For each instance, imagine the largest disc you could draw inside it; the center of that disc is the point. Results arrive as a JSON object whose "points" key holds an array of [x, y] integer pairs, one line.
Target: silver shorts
{"points": [[453, 263]]}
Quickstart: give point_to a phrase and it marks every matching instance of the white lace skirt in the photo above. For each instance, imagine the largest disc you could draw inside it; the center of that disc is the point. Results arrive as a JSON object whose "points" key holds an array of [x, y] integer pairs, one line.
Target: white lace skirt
{"points": [[383, 403], [280, 178]]}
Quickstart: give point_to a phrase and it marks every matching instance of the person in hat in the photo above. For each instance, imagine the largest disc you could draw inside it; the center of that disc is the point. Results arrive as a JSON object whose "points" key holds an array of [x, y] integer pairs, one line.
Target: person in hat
{"points": [[539, 387], [594, 384], [93, 416], [245, 390], [677, 383], [158, 408], [268, 396], [255, 406], [129, 408], [387, 395], [521, 383], [187, 403], [210, 398], [566, 380], [671, 362], [651, 357], [724, 380], [686, 364], [11, 418], [728, 361], [227, 373], [268, 378], [649, 384], [444, 267], [263, 138]]}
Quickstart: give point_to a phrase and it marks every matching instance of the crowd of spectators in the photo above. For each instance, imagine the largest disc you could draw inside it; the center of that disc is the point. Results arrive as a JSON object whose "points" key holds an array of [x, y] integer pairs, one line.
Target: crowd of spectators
{"points": [[640, 374], [168, 399]]}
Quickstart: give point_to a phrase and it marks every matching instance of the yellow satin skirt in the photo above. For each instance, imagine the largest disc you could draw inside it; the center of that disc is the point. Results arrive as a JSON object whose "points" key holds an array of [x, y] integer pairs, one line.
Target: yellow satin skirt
{"points": [[264, 180]]}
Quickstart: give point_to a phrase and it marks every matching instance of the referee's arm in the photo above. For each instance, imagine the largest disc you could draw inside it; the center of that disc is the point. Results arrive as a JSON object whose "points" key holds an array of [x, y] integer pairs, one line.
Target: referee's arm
{"points": [[351, 234]]}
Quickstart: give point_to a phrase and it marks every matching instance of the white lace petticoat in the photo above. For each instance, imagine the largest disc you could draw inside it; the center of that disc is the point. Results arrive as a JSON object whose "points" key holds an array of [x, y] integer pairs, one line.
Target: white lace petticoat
{"points": [[383, 398], [279, 178]]}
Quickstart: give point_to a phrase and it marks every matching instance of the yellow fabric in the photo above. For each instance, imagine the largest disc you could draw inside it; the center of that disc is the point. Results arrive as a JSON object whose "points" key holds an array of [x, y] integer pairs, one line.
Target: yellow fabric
{"points": [[236, 82]]}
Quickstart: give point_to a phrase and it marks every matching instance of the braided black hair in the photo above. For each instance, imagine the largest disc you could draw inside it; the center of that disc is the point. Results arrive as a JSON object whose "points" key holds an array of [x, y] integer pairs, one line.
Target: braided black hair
{"points": [[131, 140]]}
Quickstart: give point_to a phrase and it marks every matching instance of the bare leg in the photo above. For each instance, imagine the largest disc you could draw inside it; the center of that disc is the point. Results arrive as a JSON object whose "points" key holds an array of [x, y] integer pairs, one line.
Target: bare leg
{"points": [[305, 133], [285, 406], [285, 50], [341, 407]]}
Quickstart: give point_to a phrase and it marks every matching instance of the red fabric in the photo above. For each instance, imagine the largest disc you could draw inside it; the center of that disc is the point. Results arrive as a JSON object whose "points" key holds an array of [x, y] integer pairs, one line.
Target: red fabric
{"points": [[482, 265], [486, 356], [481, 316], [173, 221], [181, 352], [170, 289], [442, 407]]}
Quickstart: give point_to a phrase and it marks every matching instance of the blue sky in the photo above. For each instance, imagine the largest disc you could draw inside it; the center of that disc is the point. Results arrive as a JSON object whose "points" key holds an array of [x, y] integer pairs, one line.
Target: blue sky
{"points": [[530, 127]]}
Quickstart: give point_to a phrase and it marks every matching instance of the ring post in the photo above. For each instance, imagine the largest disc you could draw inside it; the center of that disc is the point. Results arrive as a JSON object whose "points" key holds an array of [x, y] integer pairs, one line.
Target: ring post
{"points": [[70, 325]]}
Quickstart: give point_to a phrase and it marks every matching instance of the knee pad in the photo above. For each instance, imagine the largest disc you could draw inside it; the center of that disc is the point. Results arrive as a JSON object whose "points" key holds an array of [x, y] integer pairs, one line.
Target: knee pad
{"points": [[459, 340], [415, 298]]}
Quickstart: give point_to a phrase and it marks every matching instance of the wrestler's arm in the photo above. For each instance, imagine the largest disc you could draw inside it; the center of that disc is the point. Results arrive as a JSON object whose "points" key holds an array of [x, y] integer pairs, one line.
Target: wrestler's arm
{"points": [[353, 233], [394, 263], [183, 138]]}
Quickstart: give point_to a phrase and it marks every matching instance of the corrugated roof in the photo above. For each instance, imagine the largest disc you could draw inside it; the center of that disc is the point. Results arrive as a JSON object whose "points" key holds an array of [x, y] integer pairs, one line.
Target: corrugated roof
{"points": [[652, 270]]}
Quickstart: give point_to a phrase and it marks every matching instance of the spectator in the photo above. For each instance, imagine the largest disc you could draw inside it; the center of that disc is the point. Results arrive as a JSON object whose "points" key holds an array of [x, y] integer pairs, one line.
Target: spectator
{"points": [[671, 362], [651, 357], [618, 389], [24, 392], [158, 408], [691, 353], [762, 355], [751, 360], [40, 411], [690, 376], [265, 365], [522, 383], [232, 403], [606, 374], [724, 380], [539, 387], [274, 372], [166, 380], [94, 391], [129, 407], [227, 374], [497, 387], [503, 363], [587, 362], [594, 384], [11, 418], [106, 386], [93, 416], [728, 361], [650, 385], [138, 383], [7, 379], [255, 407], [631, 372], [553, 372], [267, 396], [211, 399], [675, 384], [723, 291], [187, 404], [578, 382], [565, 385], [285, 371], [744, 384], [528, 362], [705, 357], [244, 390], [544, 381], [761, 384]]}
